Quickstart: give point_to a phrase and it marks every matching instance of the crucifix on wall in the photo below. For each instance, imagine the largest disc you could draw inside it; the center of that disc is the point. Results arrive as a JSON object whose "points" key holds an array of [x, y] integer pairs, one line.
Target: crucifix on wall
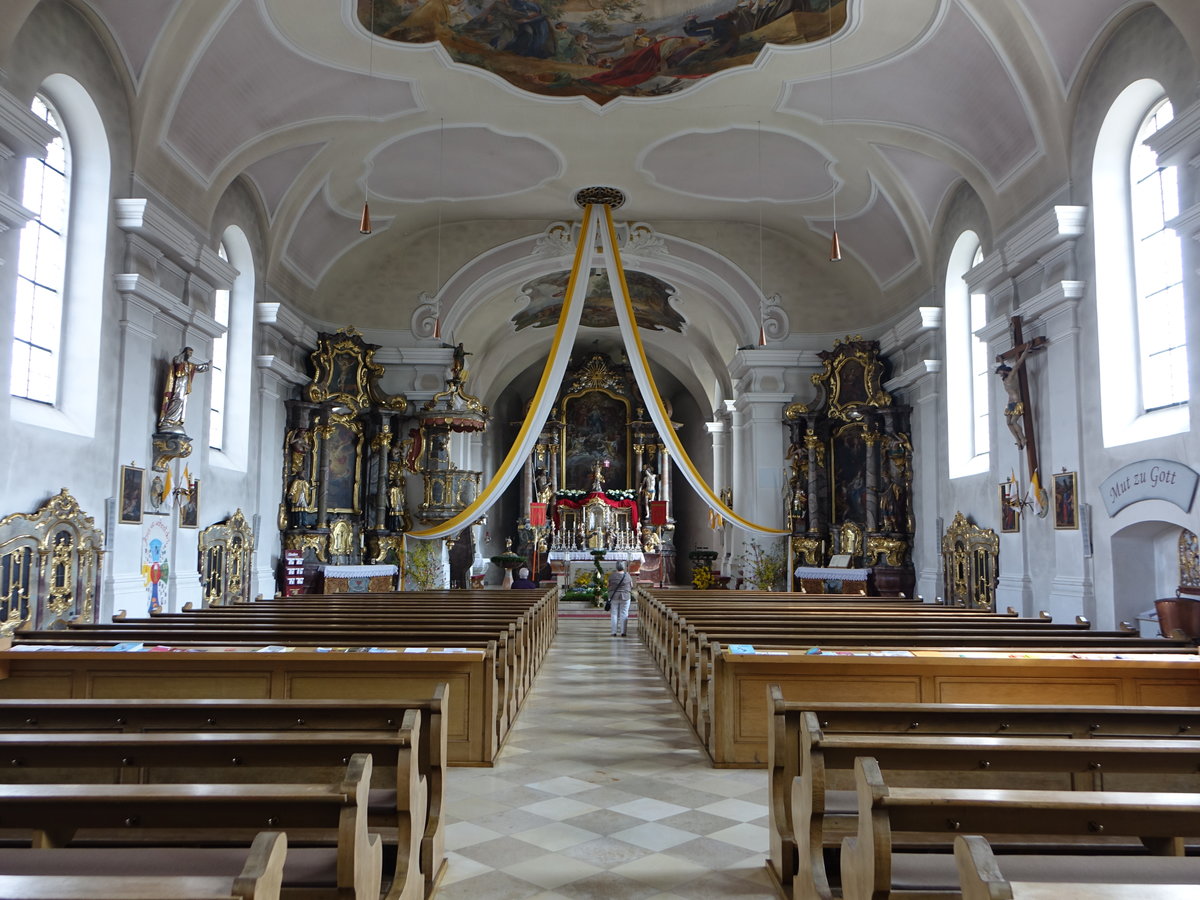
{"points": [[1018, 412]]}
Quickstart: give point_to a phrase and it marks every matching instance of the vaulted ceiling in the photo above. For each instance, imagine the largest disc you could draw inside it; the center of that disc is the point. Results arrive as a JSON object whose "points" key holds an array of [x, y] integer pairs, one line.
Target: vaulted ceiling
{"points": [[297, 98]]}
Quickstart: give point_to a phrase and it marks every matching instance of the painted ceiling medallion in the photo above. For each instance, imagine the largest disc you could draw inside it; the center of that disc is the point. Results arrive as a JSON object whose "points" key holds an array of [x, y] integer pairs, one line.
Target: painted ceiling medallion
{"points": [[604, 49], [651, 302]]}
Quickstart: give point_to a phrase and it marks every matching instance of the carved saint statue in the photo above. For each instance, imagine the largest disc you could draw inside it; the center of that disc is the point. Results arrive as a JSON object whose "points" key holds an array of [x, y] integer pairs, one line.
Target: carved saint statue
{"points": [[597, 476], [542, 490], [647, 491], [179, 384], [341, 538]]}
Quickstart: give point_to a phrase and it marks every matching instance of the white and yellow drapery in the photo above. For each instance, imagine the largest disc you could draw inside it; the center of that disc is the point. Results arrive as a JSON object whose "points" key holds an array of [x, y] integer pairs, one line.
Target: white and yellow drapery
{"points": [[598, 236]]}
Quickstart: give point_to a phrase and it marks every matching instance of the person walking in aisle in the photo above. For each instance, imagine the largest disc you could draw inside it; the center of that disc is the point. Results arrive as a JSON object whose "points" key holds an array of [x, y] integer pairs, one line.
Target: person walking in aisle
{"points": [[620, 592]]}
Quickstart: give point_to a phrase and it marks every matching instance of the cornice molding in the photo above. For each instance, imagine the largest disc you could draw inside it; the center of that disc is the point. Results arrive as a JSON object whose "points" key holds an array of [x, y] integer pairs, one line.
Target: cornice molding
{"points": [[921, 320], [913, 374], [139, 215], [1178, 142], [23, 133], [1025, 246]]}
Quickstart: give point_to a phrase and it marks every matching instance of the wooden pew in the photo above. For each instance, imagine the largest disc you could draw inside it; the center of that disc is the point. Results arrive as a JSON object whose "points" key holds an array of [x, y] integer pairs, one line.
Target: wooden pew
{"points": [[138, 874], [54, 814], [871, 870], [820, 818], [786, 747], [285, 720], [697, 700], [514, 661], [397, 813], [981, 877], [302, 675], [738, 702]]}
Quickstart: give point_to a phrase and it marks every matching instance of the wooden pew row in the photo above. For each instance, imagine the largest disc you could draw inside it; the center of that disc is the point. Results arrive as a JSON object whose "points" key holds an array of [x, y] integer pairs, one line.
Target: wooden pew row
{"points": [[526, 637], [40, 673], [691, 670], [821, 815], [786, 745], [694, 671], [658, 620], [740, 718], [981, 877], [509, 677], [534, 613], [292, 723], [872, 870], [141, 874], [527, 628], [54, 813], [699, 668], [670, 642], [397, 815]]}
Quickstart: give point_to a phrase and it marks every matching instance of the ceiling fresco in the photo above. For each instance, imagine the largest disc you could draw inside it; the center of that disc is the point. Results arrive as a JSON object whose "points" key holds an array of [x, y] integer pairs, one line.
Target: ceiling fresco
{"points": [[603, 49], [650, 296]]}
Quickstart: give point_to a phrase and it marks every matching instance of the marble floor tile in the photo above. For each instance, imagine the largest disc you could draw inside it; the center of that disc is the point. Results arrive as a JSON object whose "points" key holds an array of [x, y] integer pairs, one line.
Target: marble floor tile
{"points": [[602, 791]]}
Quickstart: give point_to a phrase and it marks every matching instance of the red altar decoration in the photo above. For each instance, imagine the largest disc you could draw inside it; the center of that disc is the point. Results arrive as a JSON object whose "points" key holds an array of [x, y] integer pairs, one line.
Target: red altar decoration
{"points": [[630, 505], [658, 512], [537, 514]]}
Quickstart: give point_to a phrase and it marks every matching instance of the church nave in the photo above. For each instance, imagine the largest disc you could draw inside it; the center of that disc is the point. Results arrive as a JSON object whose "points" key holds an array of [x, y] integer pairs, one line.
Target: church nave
{"points": [[602, 791]]}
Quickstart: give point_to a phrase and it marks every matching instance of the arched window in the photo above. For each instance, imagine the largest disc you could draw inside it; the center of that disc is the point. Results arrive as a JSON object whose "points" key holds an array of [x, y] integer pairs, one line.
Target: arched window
{"points": [[233, 361], [220, 364], [967, 366], [1158, 268], [57, 333], [1139, 273], [37, 323]]}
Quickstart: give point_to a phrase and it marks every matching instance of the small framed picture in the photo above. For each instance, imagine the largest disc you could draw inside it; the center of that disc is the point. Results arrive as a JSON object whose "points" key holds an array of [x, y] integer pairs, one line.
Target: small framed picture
{"points": [[189, 506], [133, 489], [1010, 512], [1066, 503]]}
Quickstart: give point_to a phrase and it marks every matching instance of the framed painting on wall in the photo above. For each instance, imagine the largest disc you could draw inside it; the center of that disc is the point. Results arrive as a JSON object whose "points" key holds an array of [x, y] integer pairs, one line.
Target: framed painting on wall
{"points": [[133, 482], [189, 506], [1066, 502], [1010, 513]]}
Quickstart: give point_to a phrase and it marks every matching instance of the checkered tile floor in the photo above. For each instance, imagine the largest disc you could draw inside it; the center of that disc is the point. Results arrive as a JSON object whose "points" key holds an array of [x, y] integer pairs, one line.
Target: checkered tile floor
{"points": [[602, 792]]}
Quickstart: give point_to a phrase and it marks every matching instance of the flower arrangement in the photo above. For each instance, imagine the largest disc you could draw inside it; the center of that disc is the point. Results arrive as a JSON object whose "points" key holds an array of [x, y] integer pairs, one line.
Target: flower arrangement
{"points": [[587, 586], [763, 568], [424, 568], [570, 493], [620, 494], [702, 575]]}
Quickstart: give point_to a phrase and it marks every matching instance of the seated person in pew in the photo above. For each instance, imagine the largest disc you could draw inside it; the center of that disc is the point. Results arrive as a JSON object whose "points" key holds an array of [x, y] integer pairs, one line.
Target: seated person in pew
{"points": [[122, 874], [981, 876], [873, 870], [140, 815]]}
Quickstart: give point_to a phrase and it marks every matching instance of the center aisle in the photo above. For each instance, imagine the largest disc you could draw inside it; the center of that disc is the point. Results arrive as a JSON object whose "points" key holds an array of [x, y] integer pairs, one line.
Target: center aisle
{"points": [[603, 792]]}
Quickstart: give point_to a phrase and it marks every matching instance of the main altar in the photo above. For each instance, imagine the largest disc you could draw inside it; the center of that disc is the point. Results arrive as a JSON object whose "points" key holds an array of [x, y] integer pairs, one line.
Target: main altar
{"points": [[598, 478]]}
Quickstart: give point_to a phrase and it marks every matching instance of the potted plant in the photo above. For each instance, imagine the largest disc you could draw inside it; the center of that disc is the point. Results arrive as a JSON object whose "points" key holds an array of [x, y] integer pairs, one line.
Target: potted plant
{"points": [[763, 568]]}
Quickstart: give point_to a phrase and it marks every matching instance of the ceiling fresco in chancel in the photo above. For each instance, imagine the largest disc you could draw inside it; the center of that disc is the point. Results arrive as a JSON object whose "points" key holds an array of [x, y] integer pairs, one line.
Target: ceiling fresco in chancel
{"points": [[604, 49], [651, 298]]}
